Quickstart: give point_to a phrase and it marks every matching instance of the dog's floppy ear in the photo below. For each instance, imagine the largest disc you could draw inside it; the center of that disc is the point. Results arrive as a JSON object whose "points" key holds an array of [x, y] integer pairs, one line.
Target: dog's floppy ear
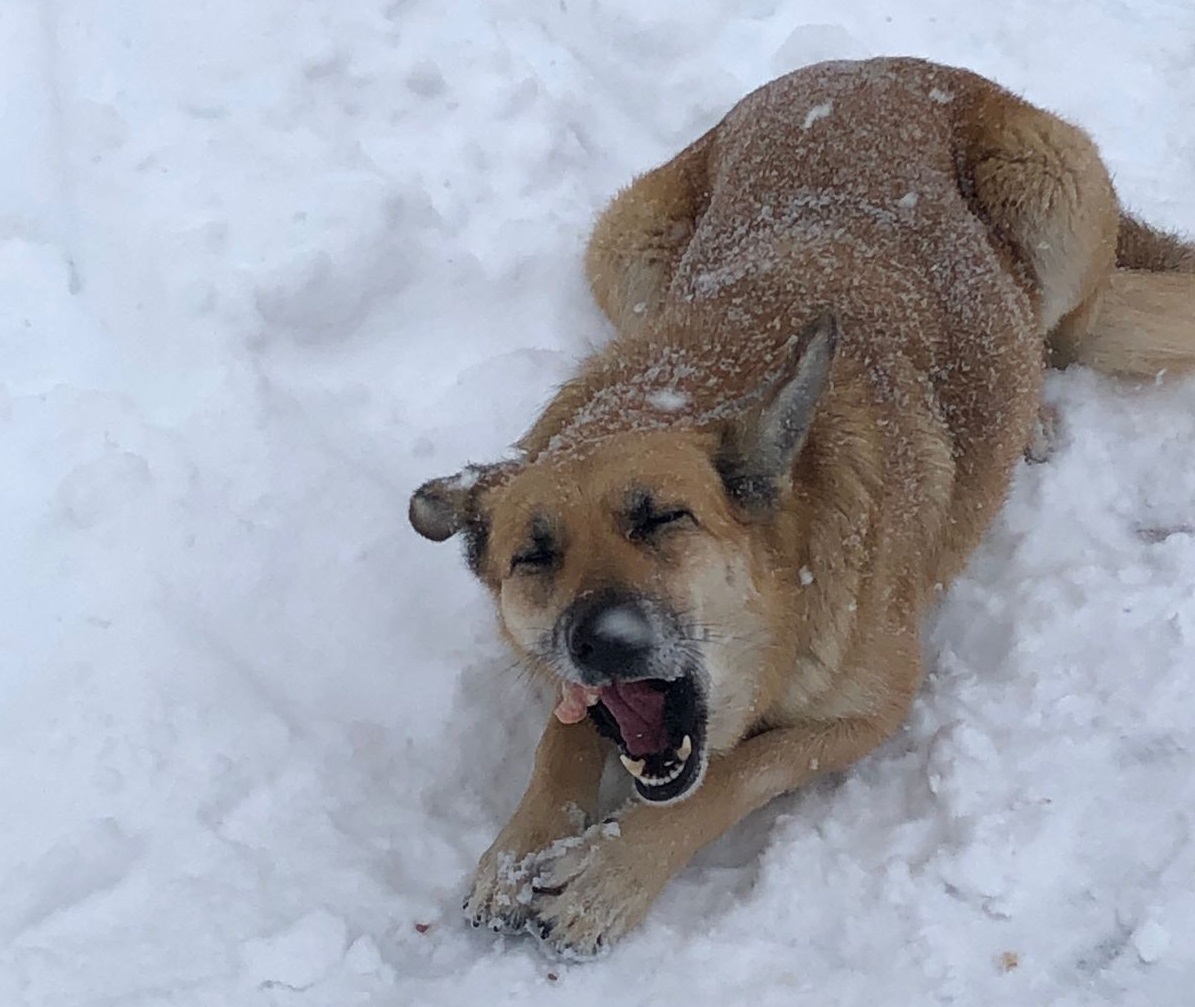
{"points": [[758, 449], [442, 507]]}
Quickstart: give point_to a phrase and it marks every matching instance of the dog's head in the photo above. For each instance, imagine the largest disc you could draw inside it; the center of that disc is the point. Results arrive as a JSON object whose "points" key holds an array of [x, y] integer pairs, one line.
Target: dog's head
{"points": [[630, 572]]}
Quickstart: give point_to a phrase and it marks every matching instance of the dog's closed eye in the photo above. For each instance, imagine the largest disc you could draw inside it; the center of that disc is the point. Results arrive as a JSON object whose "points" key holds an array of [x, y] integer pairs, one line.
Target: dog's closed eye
{"points": [[656, 523], [541, 554], [534, 558], [647, 519]]}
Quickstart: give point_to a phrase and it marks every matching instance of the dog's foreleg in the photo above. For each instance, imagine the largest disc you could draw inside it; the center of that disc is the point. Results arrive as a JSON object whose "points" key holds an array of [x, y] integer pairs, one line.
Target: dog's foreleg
{"points": [[560, 801], [590, 893]]}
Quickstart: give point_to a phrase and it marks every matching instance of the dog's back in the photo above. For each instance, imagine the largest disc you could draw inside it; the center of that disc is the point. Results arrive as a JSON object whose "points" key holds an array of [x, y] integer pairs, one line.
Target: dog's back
{"points": [[962, 235]]}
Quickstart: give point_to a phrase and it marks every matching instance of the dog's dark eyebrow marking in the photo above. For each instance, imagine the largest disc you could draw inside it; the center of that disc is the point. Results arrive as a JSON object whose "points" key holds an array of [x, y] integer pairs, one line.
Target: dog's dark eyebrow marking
{"points": [[641, 505], [543, 535], [544, 545], [646, 516]]}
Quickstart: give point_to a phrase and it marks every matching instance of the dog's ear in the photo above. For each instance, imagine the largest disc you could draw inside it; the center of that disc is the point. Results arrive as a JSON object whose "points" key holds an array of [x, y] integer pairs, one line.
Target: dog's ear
{"points": [[759, 448], [442, 507]]}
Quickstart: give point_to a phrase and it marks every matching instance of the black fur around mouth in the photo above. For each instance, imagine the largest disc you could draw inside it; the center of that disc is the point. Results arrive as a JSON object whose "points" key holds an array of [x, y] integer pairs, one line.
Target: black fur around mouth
{"points": [[659, 728]]}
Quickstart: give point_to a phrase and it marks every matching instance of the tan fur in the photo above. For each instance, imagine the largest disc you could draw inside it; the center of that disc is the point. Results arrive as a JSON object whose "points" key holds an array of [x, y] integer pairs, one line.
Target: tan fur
{"points": [[1143, 327], [960, 235]]}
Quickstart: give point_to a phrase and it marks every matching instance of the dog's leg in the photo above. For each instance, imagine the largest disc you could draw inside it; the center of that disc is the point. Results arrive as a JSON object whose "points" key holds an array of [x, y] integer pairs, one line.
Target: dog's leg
{"points": [[1045, 435], [589, 893], [632, 256], [640, 237], [1041, 186], [560, 801]]}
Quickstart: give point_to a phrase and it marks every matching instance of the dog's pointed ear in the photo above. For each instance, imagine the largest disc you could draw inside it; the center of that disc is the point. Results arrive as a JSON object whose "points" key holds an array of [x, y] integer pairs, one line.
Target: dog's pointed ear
{"points": [[759, 448], [442, 507]]}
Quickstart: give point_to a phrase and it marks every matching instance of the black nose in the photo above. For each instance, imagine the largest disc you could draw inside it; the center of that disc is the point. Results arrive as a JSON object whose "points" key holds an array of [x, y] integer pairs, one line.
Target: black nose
{"points": [[610, 638]]}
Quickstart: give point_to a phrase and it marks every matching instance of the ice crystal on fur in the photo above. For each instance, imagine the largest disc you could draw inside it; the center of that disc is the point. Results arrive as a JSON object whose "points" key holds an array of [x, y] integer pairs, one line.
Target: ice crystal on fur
{"points": [[667, 400], [816, 113]]}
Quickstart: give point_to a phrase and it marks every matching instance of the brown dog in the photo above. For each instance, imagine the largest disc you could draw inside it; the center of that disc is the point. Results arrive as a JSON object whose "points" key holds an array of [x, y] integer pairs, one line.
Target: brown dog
{"points": [[832, 313]]}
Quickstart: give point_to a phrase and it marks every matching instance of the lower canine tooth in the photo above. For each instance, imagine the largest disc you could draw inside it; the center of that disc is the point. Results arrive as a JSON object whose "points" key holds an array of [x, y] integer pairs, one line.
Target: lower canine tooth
{"points": [[633, 766], [686, 749]]}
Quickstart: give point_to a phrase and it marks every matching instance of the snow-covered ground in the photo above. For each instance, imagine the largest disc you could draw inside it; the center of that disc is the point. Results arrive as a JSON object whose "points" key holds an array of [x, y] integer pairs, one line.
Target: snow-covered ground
{"points": [[264, 267]]}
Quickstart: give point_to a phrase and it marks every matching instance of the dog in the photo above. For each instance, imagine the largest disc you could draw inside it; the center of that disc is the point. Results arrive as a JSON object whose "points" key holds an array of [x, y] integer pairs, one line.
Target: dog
{"points": [[718, 542]]}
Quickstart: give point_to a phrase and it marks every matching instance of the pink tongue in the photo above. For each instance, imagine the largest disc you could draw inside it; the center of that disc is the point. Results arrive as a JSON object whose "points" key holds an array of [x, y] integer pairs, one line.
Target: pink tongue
{"points": [[639, 710]]}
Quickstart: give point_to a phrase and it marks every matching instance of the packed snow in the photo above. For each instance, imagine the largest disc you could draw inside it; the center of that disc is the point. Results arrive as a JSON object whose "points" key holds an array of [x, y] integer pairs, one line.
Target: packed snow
{"points": [[267, 266]]}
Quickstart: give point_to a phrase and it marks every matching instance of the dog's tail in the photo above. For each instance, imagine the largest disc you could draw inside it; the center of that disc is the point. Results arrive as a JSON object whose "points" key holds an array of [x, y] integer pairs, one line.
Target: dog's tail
{"points": [[1145, 324]]}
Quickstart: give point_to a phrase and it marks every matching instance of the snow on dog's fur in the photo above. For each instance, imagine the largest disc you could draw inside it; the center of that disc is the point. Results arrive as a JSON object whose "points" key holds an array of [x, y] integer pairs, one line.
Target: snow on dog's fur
{"points": [[833, 312]]}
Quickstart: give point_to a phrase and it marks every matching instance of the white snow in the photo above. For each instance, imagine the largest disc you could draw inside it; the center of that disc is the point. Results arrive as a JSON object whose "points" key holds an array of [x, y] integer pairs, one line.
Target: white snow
{"points": [[817, 112], [668, 400], [1151, 941], [266, 267]]}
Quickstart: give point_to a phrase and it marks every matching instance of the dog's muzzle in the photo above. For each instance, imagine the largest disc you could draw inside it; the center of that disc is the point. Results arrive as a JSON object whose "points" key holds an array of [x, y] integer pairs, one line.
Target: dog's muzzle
{"points": [[640, 690]]}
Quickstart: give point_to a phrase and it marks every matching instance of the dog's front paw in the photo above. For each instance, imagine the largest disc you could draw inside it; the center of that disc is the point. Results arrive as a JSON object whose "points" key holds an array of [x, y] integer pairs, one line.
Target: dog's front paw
{"points": [[501, 893], [586, 892]]}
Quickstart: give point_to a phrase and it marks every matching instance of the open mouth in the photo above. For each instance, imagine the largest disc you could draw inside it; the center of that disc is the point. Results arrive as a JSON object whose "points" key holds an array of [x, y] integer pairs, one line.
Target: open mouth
{"points": [[658, 726]]}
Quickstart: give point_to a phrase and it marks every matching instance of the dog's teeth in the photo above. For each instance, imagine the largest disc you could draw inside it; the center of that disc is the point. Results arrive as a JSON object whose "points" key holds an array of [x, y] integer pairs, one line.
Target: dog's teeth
{"points": [[673, 767], [660, 781], [591, 697], [634, 766]]}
